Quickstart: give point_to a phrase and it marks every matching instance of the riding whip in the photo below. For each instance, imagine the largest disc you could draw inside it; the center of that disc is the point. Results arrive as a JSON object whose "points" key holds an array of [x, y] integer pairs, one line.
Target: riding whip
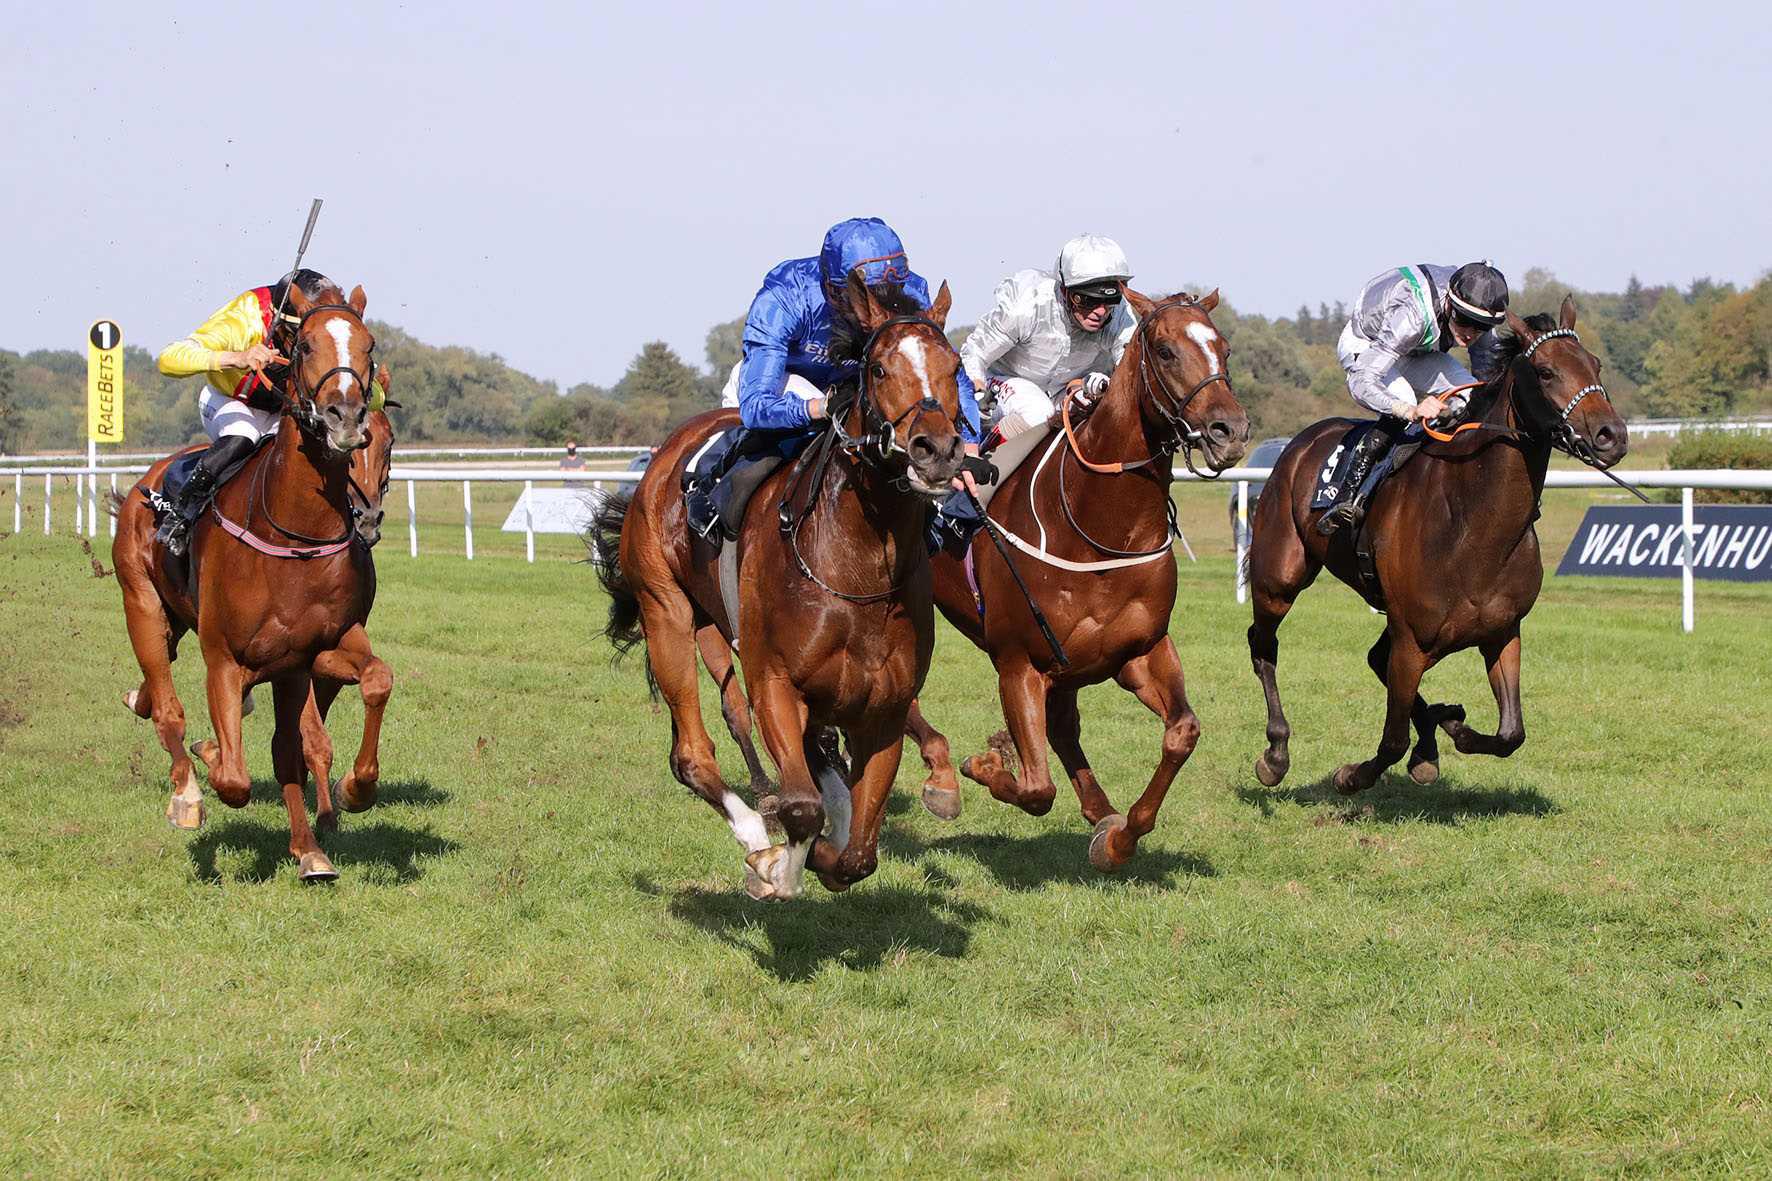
{"points": [[306, 234], [990, 527]]}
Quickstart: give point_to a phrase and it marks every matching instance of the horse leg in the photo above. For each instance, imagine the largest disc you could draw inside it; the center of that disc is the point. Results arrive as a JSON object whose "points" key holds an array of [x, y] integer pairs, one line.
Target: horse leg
{"points": [[1275, 584], [154, 639], [1424, 760], [1403, 675], [1155, 679], [669, 624], [941, 790], [1064, 730], [354, 663], [852, 851], [290, 695], [716, 653], [316, 748], [225, 755], [781, 717], [1503, 658], [1023, 691]]}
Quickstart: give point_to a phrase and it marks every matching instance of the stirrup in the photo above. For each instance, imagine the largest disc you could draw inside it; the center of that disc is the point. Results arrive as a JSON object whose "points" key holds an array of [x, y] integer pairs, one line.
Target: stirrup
{"points": [[1347, 513], [175, 535]]}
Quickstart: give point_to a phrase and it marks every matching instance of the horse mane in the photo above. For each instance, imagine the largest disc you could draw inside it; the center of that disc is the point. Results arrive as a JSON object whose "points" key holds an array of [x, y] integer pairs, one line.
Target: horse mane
{"points": [[849, 338], [1489, 396]]}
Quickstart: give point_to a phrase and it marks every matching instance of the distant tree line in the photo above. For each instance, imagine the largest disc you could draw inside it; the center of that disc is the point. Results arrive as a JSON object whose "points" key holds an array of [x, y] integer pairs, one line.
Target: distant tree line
{"points": [[1699, 352]]}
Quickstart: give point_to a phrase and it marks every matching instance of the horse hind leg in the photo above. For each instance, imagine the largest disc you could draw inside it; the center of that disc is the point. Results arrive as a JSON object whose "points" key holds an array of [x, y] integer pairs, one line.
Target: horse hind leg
{"points": [[1064, 730], [941, 790], [316, 749], [1503, 659], [1022, 689], [1424, 759], [851, 851], [353, 662], [1403, 673], [155, 638], [1155, 679], [716, 654], [1280, 568]]}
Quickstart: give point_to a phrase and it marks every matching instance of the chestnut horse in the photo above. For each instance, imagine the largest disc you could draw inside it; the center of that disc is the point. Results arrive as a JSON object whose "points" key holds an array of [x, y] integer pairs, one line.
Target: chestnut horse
{"points": [[277, 587], [1096, 498], [835, 623], [1454, 545]]}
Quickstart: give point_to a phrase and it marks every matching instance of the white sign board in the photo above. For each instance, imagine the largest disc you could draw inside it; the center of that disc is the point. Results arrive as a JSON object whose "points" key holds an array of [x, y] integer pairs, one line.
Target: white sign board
{"points": [[556, 510]]}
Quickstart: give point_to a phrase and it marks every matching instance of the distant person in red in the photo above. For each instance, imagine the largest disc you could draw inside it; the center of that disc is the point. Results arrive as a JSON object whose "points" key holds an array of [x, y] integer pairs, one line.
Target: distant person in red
{"points": [[572, 461]]}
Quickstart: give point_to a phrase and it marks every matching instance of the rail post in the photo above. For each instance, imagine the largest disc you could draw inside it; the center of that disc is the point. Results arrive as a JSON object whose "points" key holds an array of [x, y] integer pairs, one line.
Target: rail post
{"points": [[18, 502], [467, 516], [1686, 607], [529, 519], [1242, 536], [113, 516], [412, 515], [79, 503], [48, 493]]}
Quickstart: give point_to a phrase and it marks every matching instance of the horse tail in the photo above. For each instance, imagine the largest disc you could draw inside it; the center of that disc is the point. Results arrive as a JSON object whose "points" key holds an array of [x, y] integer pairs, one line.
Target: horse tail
{"points": [[603, 538]]}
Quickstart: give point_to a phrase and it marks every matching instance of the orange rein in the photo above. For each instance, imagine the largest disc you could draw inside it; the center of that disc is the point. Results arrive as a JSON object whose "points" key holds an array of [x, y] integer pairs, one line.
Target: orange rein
{"points": [[1070, 433], [1446, 436]]}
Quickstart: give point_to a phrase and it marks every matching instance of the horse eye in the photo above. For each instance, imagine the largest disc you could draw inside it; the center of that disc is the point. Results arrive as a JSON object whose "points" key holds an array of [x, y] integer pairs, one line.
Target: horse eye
{"points": [[879, 370], [1545, 373], [1165, 352]]}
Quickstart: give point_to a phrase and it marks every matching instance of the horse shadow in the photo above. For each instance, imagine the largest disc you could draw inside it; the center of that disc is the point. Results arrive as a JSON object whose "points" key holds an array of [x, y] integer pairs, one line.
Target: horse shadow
{"points": [[391, 853], [1397, 799], [412, 793], [1055, 857], [794, 940]]}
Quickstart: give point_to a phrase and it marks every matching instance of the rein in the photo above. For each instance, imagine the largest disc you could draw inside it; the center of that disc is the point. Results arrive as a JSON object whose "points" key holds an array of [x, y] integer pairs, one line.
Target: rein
{"points": [[876, 444], [1172, 409]]}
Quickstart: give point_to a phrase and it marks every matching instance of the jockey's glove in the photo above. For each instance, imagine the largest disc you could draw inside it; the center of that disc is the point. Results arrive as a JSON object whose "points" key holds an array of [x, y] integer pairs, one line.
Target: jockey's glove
{"points": [[1095, 384]]}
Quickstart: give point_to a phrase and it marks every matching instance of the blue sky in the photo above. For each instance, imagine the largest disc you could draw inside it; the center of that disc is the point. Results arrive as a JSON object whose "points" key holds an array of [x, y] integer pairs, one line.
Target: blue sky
{"points": [[561, 183]]}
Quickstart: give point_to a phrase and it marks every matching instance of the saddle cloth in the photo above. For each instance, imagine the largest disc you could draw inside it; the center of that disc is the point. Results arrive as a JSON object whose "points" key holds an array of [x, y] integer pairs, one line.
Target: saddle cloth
{"points": [[1331, 479], [178, 474]]}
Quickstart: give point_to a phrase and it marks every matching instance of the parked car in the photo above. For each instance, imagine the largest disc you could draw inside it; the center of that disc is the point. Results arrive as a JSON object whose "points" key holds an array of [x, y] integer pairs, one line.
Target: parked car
{"points": [[1263, 455]]}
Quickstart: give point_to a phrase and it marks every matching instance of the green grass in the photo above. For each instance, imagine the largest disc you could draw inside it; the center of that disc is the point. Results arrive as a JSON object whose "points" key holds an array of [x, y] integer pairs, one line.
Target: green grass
{"points": [[539, 958]]}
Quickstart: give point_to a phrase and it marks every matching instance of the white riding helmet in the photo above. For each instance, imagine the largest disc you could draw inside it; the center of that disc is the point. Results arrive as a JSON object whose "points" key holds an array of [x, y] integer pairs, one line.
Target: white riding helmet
{"points": [[1092, 261]]}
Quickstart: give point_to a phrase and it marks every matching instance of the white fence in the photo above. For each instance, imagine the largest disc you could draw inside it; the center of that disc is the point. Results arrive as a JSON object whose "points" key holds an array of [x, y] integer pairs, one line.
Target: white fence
{"points": [[87, 481], [1640, 427]]}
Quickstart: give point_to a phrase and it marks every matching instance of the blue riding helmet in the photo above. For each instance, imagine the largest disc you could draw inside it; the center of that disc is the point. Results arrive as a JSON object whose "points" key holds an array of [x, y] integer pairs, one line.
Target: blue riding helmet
{"points": [[865, 242]]}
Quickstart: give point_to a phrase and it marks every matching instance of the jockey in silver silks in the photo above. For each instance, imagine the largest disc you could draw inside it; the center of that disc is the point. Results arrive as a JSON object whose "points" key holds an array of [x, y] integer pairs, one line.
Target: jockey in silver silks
{"points": [[1394, 351]]}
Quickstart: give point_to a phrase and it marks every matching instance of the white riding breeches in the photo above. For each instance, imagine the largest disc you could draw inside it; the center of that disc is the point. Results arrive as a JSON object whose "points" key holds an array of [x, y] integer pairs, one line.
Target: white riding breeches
{"points": [[797, 386], [1412, 378], [224, 416], [1026, 411]]}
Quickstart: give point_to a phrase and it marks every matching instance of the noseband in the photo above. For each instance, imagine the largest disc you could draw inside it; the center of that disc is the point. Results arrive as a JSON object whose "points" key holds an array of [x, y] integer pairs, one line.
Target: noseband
{"points": [[1564, 436]]}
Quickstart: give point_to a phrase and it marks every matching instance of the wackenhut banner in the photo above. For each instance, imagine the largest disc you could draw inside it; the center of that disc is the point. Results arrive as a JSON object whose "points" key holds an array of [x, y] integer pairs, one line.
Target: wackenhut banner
{"points": [[104, 382], [1729, 541]]}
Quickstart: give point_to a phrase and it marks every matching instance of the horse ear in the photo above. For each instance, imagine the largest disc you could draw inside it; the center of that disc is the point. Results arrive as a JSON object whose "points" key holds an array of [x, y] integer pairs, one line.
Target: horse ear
{"points": [[358, 300], [938, 310], [298, 300], [1142, 304], [1208, 302], [862, 305], [1566, 313], [1518, 327]]}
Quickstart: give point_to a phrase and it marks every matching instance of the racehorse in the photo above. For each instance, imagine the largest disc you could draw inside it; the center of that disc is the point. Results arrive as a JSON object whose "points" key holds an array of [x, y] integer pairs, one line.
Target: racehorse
{"points": [[264, 609], [1454, 547], [835, 625], [1097, 499]]}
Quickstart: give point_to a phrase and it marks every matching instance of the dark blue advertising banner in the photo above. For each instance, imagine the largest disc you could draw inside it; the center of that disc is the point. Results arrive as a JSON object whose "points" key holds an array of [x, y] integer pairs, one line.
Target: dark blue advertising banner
{"points": [[1729, 541]]}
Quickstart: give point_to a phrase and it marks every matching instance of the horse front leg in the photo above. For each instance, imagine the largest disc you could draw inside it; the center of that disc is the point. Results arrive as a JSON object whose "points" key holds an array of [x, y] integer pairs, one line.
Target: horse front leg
{"points": [[1502, 655], [224, 756], [155, 638], [353, 663], [1403, 673], [1424, 759], [716, 654], [776, 872], [1022, 689], [1155, 679], [941, 790], [316, 748], [291, 697], [851, 852], [1064, 729]]}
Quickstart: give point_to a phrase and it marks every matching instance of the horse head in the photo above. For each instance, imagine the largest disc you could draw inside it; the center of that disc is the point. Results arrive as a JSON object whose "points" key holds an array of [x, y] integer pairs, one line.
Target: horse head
{"points": [[371, 465], [1183, 365], [331, 363], [1551, 364], [909, 396]]}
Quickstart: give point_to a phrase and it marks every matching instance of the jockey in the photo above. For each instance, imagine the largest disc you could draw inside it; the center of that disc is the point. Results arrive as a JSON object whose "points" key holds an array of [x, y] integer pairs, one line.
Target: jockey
{"points": [[236, 350], [1050, 333], [781, 381], [1394, 350]]}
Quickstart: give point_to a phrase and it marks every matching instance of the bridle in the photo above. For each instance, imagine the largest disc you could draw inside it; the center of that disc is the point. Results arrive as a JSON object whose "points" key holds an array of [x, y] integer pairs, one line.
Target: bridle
{"points": [[1183, 435], [1563, 434], [877, 445], [299, 396]]}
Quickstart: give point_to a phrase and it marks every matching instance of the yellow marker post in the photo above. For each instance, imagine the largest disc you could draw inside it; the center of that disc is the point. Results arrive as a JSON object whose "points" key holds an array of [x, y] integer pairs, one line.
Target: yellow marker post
{"points": [[104, 405]]}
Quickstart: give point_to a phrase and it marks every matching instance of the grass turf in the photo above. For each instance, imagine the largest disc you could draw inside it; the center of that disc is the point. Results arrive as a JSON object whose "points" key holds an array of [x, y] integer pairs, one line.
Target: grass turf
{"points": [[539, 957]]}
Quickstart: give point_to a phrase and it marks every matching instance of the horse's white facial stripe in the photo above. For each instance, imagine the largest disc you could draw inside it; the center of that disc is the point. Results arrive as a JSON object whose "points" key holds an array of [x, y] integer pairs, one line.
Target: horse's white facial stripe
{"points": [[1204, 336], [916, 351], [340, 331]]}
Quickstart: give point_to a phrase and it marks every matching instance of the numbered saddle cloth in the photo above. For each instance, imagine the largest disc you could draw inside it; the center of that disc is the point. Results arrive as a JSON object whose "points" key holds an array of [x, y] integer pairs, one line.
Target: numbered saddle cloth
{"points": [[178, 474]]}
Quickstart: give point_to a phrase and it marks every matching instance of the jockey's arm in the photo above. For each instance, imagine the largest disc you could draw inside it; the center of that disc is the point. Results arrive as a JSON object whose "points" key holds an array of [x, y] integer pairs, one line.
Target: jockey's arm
{"points": [[231, 338], [763, 400], [995, 334]]}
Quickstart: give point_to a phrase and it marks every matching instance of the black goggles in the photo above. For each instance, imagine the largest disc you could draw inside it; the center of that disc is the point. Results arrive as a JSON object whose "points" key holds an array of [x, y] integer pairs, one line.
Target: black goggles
{"points": [[1097, 299]]}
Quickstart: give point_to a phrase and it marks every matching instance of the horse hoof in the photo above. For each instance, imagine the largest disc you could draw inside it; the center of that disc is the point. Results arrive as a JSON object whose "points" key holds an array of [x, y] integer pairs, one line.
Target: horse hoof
{"points": [[1266, 773], [756, 886], [1346, 779], [130, 698], [762, 873], [1424, 772], [316, 868], [1100, 855], [1448, 717], [942, 802], [186, 814], [834, 885]]}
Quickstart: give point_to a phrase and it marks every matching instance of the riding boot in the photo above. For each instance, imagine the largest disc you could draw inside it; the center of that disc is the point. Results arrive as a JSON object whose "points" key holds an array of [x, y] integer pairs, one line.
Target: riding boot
{"points": [[1369, 467], [193, 498]]}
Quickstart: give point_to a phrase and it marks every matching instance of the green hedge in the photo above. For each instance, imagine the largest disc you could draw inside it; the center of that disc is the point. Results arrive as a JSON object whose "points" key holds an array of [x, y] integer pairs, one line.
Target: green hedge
{"points": [[1724, 449]]}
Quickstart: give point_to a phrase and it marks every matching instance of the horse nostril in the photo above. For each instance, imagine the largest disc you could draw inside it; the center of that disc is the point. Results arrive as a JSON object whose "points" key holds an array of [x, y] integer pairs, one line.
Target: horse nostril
{"points": [[362, 415], [1220, 430], [1604, 438], [921, 449]]}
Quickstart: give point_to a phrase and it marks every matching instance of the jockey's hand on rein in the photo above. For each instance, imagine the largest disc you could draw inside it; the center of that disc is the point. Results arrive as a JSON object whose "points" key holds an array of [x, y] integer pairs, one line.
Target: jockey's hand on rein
{"points": [[254, 358]]}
